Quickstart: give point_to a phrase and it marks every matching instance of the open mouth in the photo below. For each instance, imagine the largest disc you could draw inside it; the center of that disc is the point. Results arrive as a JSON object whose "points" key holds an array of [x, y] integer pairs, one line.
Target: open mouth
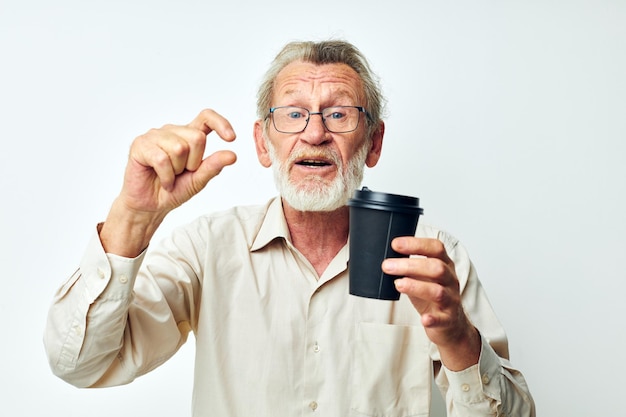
{"points": [[313, 163]]}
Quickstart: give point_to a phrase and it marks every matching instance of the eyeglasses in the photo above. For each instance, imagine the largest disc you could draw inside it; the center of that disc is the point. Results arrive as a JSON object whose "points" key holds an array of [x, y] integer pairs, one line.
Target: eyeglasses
{"points": [[337, 119]]}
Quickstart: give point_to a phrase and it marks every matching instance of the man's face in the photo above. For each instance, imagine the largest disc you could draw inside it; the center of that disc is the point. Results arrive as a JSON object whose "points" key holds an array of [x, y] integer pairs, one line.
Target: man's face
{"points": [[317, 170]]}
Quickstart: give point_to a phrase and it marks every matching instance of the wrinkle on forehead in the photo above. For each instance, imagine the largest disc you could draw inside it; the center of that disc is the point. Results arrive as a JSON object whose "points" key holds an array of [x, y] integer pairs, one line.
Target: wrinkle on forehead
{"points": [[303, 78]]}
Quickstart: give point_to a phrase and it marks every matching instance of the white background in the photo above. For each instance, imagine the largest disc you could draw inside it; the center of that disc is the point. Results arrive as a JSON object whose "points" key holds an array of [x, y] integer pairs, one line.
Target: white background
{"points": [[507, 119]]}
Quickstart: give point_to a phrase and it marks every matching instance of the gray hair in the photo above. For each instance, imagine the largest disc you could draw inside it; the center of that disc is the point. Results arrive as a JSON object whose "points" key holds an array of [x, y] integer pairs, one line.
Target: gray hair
{"points": [[326, 52]]}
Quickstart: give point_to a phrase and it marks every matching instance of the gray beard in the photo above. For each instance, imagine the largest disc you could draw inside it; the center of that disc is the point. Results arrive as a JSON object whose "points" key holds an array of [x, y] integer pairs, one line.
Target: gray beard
{"points": [[314, 193]]}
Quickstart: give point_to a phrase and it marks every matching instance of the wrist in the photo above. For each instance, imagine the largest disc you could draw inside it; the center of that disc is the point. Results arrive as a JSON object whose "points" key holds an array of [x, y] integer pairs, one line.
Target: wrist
{"points": [[127, 232], [464, 352]]}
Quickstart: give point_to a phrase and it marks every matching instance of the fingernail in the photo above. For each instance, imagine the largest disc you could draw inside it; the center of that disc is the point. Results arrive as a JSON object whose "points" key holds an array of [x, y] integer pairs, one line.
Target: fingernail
{"points": [[399, 243], [389, 266]]}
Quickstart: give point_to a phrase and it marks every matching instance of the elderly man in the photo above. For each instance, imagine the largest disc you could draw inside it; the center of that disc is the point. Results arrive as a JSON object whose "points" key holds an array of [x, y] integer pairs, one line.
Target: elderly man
{"points": [[264, 288]]}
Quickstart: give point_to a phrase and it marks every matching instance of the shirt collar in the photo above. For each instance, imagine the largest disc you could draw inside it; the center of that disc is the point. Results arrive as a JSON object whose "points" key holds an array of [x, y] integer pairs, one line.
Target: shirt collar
{"points": [[273, 226]]}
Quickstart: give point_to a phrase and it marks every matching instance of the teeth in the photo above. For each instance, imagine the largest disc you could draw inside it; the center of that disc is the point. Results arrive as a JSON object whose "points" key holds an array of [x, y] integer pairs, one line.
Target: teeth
{"points": [[313, 162]]}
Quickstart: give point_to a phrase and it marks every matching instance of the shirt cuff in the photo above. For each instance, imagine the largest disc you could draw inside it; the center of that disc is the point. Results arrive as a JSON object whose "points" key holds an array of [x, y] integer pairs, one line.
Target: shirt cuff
{"points": [[106, 275], [471, 385]]}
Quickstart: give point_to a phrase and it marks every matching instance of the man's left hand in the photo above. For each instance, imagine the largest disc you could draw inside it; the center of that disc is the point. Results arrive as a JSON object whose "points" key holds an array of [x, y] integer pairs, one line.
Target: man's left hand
{"points": [[429, 280]]}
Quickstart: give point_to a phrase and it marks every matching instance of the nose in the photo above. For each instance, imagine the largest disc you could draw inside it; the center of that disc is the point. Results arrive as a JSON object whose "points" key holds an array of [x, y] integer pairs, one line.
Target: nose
{"points": [[315, 132]]}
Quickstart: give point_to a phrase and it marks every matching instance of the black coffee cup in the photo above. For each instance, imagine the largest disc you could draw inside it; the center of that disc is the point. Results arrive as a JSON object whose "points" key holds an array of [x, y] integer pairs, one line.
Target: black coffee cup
{"points": [[375, 220]]}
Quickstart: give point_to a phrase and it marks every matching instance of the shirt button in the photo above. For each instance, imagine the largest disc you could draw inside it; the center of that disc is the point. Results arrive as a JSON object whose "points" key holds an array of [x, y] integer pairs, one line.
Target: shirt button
{"points": [[316, 348], [465, 387], [485, 379], [100, 273], [313, 405], [123, 279]]}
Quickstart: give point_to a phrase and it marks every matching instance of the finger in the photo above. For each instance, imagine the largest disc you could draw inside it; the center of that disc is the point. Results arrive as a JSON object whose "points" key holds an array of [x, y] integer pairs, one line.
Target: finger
{"points": [[186, 145], [158, 160], [431, 248], [432, 301], [177, 152], [425, 269], [211, 166], [425, 291], [209, 120], [164, 149]]}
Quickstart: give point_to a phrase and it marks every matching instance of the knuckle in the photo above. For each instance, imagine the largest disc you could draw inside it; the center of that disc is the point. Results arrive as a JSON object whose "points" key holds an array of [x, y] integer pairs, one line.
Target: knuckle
{"points": [[440, 249], [198, 138], [147, 139], [179, 149], [438, 268], [207, 113], [160, 159], [439, 295], [154, 132], [142, 138]]}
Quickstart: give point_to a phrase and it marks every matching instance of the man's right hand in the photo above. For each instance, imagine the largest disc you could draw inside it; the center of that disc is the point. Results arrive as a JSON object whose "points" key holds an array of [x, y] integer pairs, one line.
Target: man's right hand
{"points": [[166, 167]]}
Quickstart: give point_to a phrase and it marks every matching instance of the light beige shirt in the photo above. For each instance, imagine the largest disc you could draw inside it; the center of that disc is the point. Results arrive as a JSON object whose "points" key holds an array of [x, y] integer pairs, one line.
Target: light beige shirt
{"points": [[272, 338]]}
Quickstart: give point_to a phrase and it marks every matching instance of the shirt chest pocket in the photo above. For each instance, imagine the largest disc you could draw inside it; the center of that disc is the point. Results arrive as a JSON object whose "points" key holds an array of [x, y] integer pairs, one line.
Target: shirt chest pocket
{"points": [[392, 371]]}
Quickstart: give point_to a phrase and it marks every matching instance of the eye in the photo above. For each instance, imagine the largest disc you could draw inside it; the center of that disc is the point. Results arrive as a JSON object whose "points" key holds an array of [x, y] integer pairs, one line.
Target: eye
{"points": [[296, 114], [336, 114]]}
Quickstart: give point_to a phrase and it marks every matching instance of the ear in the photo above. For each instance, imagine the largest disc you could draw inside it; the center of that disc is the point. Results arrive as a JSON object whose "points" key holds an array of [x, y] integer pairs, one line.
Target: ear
{"points": [[377, 144], [261, 148]]}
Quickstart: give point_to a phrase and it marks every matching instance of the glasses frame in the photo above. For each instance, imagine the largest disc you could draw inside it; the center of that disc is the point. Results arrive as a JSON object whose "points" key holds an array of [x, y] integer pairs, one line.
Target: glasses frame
{"points": [[361, 109]]}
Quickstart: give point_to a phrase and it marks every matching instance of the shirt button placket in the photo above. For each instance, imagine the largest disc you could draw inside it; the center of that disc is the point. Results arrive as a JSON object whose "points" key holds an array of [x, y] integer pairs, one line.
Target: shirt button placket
{"points": [[314, 378]]}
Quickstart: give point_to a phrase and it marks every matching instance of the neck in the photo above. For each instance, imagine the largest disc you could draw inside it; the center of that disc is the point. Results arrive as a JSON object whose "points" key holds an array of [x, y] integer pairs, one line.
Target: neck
{"points": [[318, 235]]}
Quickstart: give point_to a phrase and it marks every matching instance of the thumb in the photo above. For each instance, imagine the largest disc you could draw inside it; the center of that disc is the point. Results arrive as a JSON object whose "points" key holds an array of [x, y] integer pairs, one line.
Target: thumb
{"points": [[211, 166]]}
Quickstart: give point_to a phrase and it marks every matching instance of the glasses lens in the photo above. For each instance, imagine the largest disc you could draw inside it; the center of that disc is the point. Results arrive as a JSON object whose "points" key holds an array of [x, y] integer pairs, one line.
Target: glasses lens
{"points": [[341, 119], [338, 119], [290, 119]]}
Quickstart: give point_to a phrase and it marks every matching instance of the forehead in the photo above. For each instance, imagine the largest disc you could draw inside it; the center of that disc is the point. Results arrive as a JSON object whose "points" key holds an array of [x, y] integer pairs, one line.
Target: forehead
{"points": [[305, 79]]}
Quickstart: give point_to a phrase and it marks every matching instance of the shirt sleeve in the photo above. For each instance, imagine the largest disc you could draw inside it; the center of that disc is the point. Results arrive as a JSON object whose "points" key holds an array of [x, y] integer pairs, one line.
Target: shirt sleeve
{"points": [[87, 335], [490, 388], [493, 387]]}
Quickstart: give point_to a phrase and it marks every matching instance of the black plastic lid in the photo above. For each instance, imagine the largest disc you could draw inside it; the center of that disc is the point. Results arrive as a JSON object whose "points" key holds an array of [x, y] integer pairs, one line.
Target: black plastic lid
{"points": [[383, 201]]}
